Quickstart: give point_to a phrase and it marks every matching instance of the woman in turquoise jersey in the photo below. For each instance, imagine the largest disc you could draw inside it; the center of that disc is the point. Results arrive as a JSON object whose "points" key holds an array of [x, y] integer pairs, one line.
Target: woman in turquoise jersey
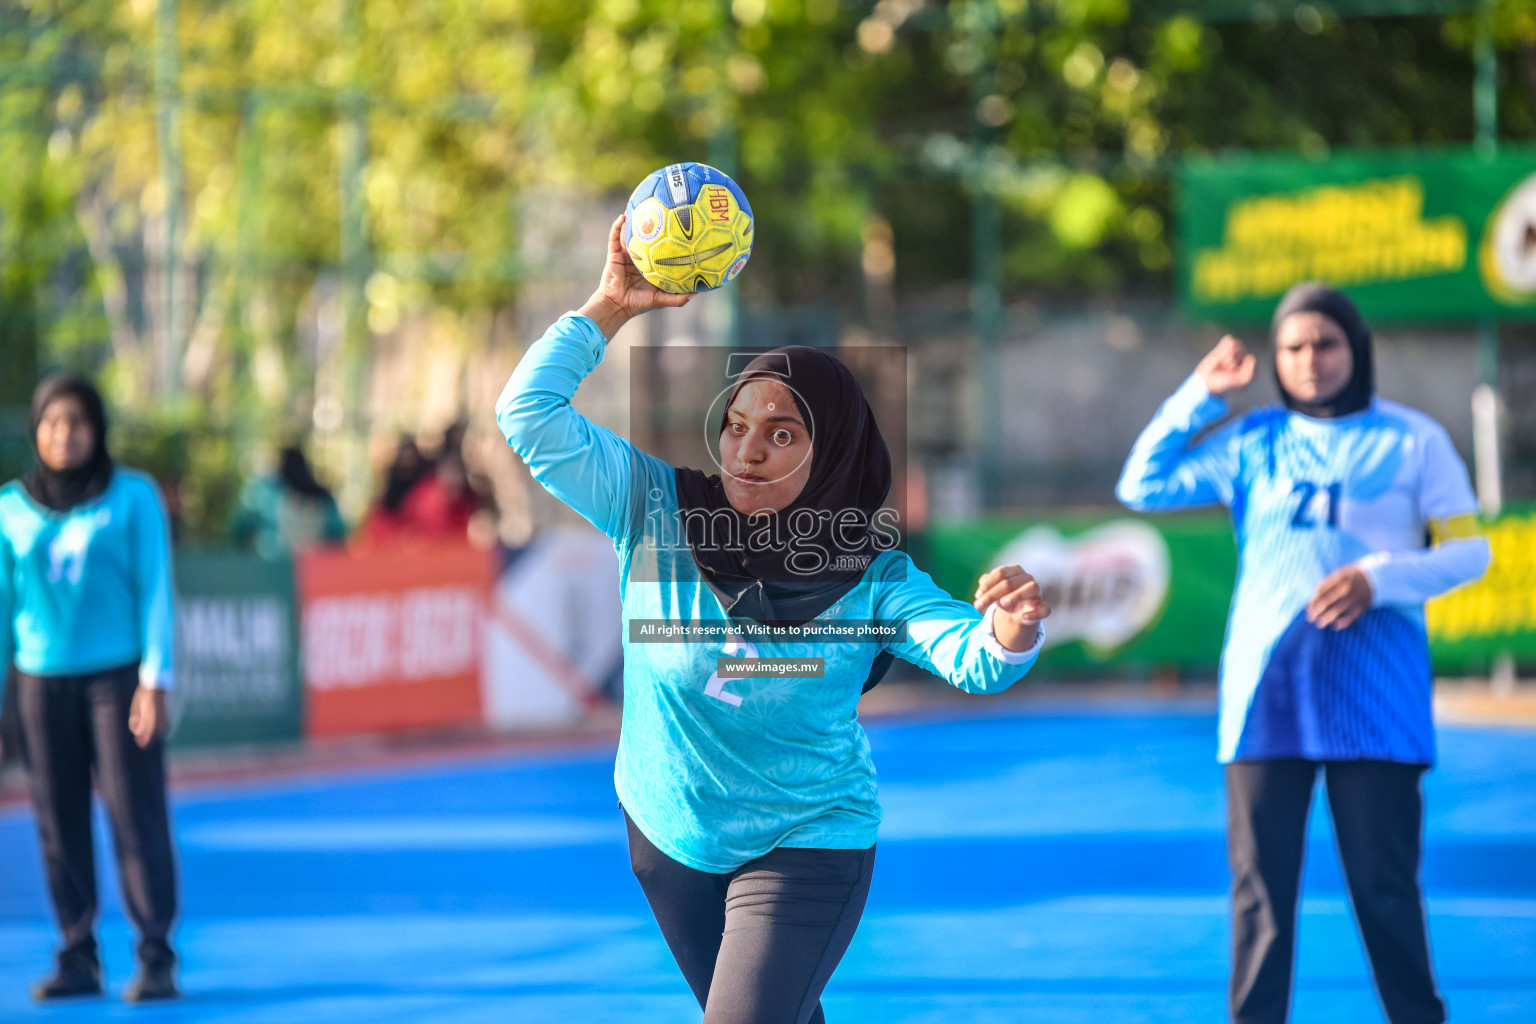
{"points": [[751, 802], [85, 618]]}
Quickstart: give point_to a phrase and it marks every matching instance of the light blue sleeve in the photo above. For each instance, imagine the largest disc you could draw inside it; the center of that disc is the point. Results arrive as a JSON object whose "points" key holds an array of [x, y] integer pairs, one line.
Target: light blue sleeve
{"points": [[7, 611], [1165, 471], [153, 580], [947, 637], [590, 468]]}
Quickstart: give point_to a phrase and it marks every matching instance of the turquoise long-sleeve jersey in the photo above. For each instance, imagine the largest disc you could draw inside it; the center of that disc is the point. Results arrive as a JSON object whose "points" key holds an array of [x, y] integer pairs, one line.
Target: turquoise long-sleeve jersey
{"points": [[718, 772], [1308, 497], [90, 587]]}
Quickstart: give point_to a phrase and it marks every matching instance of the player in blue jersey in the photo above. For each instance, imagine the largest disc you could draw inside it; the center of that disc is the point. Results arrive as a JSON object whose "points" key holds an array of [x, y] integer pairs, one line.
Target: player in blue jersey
{"points": [[86, 619], [751, 803], [1326, 663]]}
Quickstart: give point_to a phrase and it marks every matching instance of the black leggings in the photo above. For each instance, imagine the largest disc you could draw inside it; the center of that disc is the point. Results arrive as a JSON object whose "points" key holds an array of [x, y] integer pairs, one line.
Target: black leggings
{"points": [[1378, 817], [757, 945], [72, 725]]}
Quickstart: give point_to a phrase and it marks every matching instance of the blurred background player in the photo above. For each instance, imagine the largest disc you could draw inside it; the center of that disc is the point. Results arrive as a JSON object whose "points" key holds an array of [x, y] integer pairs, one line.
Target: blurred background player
{"points": [[1326, 661], [86, 615], [751, 807]]}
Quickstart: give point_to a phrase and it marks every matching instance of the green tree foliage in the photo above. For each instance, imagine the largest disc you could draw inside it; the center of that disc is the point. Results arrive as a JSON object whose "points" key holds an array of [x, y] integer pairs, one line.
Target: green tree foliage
{"points": [[830, 112]]}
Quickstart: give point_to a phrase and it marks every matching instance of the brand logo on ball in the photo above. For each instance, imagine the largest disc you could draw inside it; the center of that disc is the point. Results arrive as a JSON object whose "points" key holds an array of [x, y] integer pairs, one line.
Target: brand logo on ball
{"points": [[1508, 254], [677, 184], [719, 203], [730, 275], [1104, 586], [648, 222]]}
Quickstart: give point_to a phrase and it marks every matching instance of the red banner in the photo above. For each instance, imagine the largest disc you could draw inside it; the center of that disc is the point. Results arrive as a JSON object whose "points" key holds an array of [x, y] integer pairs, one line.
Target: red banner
{"points": [[392, 638]]}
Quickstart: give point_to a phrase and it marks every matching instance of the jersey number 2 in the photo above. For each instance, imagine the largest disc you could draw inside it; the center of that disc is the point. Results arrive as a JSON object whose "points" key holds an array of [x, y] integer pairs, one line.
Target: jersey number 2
{"points": [[715, 687], [1306, 492]]}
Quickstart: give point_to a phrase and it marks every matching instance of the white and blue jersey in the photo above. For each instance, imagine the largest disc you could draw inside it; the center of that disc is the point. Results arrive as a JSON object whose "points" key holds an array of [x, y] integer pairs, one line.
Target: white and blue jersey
{"points": [[719, 772], [1308, 497]]}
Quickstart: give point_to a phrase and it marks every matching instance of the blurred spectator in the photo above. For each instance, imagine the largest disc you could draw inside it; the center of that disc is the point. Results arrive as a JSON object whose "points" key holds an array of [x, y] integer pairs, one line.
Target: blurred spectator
{"points": [[422, 500], [386, 522], [443, 503], [286, 512]]}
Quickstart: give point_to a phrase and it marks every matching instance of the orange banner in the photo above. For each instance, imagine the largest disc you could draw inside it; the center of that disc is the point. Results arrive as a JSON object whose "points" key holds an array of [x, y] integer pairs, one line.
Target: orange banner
{"points": [[392, 638]]}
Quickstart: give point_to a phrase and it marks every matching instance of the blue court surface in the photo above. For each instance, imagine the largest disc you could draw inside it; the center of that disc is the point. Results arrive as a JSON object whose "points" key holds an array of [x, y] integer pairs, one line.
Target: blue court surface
{"points": [[1058, 865]]}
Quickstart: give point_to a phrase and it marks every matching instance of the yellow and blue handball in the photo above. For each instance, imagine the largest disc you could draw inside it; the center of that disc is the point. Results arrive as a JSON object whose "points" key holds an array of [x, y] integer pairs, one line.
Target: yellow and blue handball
{"points": [[688, 228]]}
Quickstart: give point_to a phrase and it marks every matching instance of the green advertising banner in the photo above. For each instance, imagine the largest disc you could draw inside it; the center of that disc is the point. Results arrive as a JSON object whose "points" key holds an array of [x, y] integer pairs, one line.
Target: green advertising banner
{"points": [[1448, 235], [1132, 594], [1128, 592], [237, 675]]}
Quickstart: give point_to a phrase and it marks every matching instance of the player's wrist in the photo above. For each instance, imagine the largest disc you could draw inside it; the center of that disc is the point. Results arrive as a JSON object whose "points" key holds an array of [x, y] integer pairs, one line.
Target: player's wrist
{"points": [[1014, 635], [1367, 567], [1215, 387], [607, 314]]}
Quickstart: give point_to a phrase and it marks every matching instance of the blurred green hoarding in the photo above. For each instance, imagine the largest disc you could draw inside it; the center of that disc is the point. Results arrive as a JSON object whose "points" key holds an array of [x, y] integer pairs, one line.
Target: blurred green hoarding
{"points": [[1471, 626], [1133, 594], [1432, 235], [237, 675], [1128, 592]]}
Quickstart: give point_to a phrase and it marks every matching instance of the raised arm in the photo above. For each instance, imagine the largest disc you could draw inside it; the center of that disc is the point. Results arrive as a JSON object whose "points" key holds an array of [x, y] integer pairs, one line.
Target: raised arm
{"points": [[952, 639], [588, 467], [1165, 469]]}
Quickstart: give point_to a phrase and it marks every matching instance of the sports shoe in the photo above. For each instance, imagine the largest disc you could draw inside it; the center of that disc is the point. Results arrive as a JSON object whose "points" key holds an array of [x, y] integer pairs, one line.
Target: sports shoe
{"points": [[152, 984], [73, 976]]}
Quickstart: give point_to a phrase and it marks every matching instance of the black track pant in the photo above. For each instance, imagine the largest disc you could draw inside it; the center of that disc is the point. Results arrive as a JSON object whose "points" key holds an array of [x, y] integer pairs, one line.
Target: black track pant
{"points": [[757, 945], [1378, 817], [70, 725]]}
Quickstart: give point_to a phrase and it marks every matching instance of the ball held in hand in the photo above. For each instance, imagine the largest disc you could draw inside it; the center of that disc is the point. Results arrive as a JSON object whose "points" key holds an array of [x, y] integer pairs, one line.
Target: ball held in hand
{"points": [[688, 228]]}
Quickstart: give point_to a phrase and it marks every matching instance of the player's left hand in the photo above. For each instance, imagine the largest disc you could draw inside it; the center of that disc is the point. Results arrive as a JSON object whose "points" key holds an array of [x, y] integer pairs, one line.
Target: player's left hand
{"points": [[1340, 599], [147, 719], [1020, 605]]}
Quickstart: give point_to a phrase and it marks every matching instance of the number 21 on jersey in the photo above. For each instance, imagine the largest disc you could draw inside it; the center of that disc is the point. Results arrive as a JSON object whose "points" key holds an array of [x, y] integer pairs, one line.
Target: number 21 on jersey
{"points": [[1306, 516]]}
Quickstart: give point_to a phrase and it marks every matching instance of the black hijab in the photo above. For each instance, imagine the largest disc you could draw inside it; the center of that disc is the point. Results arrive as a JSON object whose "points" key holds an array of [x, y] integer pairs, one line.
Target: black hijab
{"points": [[1355, 396], [405, 472], [64, 489], [850, 472], [297, 476]]}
